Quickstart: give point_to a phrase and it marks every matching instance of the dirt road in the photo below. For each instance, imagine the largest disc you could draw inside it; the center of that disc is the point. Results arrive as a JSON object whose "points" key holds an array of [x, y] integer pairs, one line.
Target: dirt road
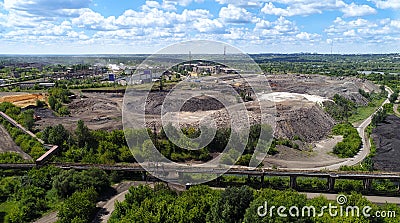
{"points": [[49, 218]]}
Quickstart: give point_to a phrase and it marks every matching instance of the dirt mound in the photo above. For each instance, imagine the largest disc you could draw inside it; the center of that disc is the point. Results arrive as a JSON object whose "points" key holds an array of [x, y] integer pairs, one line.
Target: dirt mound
{"points": [[202, 103], [309, 122], [44, 112], [91, 105], [323, 86], [387, 140], [155, 101]]}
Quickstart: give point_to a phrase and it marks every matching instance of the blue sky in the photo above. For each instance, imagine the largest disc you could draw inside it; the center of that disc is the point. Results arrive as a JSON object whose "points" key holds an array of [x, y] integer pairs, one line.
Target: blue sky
{"points": [[255, 26]]}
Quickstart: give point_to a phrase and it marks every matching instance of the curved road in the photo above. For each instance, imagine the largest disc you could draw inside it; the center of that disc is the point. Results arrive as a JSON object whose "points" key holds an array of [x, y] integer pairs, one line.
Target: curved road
{"points": [[365, 148], [366, 145]]}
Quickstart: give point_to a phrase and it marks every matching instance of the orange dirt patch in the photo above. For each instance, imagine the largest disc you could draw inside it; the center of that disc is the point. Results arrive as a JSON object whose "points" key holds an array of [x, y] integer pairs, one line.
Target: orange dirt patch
{"points": [[23, 100]]}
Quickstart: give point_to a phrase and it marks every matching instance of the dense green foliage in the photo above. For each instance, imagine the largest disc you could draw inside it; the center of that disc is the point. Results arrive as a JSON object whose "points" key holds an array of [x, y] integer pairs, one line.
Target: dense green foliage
{"points": [[393, 97], [88, 146], [57, 98], [234, 204], [351, 143], [11, 157], [144, 204], [79, 207], [231, 205], [217, 145], [342, 108], [40, 190], [379, 116]]}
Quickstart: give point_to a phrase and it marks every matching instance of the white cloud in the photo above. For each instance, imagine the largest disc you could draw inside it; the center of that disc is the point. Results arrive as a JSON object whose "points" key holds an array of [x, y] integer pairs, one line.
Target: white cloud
{"points": [[165, 5], [94, 20], [270, 9], [169, 5], [279, 27], [242, 3], [395, 24], [354, 10], [363, 31], [297, 7], [307, 36], [233, 14], [46, 8], [185, 2], [308, 7], [387, 4], [209, 26], [349, 33]]}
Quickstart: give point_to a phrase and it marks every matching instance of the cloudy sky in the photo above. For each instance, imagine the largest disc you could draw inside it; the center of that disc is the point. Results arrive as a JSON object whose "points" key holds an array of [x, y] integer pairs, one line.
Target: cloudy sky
{"points": [[255, 26]]}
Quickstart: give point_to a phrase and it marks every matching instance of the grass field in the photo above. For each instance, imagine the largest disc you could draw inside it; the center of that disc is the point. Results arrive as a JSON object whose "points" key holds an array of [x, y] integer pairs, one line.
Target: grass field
{"points": [[364, 112]]}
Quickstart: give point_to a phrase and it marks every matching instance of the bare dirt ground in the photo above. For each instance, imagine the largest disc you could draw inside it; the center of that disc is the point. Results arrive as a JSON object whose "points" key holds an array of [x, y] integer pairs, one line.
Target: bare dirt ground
{"points": [[320, 155], [21, 99], [97, 110], [8, 145], [323, 86]]}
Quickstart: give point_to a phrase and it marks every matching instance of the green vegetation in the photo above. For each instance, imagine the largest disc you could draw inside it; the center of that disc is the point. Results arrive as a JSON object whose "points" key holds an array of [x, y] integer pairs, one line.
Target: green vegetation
{"points": [[27, 197], [217, 145], [345, 110], [28, 144], [363, 112], [11, 157], [88, 146], [234, 204], [379, 116], [284, 142], [25, 118], [341, 109], [367, 164], [393, 97], [79, 207], [351, 143], [332, 65], [58, 97]]}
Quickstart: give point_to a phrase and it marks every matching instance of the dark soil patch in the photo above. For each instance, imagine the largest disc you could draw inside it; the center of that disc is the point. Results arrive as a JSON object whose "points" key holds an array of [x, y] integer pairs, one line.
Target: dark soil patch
{"points": [[387, 140]]}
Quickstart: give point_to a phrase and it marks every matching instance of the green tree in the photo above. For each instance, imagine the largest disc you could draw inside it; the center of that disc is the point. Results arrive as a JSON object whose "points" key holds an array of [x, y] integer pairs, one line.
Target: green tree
{"points": [[52, 102], [26, 119], [58, 135], [80, 207], [82, 133], [231, 205]]}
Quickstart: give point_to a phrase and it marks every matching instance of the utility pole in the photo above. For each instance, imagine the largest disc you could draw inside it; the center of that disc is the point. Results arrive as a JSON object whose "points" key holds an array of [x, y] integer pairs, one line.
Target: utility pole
{"points": [[224, 55], [190, 60]]}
